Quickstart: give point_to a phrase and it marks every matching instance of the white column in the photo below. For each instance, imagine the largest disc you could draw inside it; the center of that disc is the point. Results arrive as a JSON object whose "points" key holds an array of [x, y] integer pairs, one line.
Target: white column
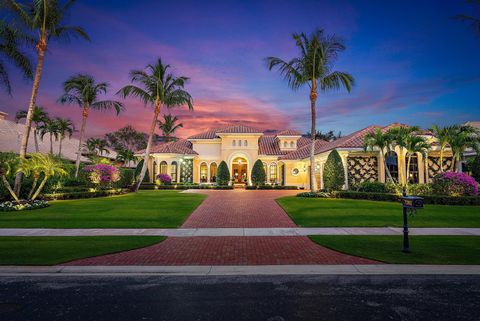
{"points": [[321, 175], [345, 165], [208, 172]]}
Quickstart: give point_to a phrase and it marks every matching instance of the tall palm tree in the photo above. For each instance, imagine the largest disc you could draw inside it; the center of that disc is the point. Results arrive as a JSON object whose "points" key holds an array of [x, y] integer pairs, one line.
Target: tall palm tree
{"points": [[462, 137], [169, 126], [45, 20], [400, 136], [415, 145], [313, 67], [474, 21], [83, 91], [49, 126], [11, 40], [64, 127], [39, 116], [382, 141], [442, 134], [157, 87], [126, 156], [97, 146]]}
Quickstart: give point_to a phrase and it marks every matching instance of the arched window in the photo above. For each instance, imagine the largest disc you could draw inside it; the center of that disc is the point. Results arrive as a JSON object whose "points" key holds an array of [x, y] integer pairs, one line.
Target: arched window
{"points": [[173, 171], [213, 172], [239, 142], [265, 170], [273, 173], [234, 142], [203, 172], [163, 167], [245, 143], [392, 164], [292, 144], [285, 144], [413, 173], [154, 170]]}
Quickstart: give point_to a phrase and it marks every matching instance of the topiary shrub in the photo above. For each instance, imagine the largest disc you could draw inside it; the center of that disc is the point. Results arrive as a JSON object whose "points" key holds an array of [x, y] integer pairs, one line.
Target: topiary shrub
{"points": [[223, 174], [454, 184], [475, 168], [258, 173], [333, 172]]}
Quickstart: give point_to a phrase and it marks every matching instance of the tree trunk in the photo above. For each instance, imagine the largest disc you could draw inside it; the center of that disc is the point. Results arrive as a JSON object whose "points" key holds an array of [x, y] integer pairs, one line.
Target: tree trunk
{"points": [[60, 147], [42, 184], [51, 144], [441, 159], [313, 130], [35, 181], [35, 138], [80, 140], [407, 179], [386, 167], [42, 47], [7, 185], [149, 145]]}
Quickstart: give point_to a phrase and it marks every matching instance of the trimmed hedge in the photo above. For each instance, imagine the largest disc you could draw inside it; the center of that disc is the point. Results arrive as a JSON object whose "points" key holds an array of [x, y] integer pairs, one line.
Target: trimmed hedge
{"points": [[152, 186], [272, 187], [333, 172], [78, 195], [387, 197]]}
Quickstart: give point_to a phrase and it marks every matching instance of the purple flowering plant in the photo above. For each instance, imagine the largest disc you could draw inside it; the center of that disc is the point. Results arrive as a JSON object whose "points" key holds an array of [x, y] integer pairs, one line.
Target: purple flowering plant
{"points": [[164, 178], [455, 184], [102, 175]]}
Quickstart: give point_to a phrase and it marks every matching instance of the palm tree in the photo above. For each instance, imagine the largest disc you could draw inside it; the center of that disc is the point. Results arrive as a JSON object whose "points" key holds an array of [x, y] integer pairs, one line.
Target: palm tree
{"points": [[157, 87], [49, 126], [125, 156], [474, 21], [442, 134], [83, 91], [462, 137], [8, 166], [11, 40], [39, 116], [382, 141], [313, 67], [400, 136], [45, 20], [97, 146], [64, 127], [169, 126], [415, 145]]}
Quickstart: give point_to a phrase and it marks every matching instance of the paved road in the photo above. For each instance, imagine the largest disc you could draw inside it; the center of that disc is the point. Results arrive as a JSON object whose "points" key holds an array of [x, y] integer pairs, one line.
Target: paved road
{"points": [[269, 298]]}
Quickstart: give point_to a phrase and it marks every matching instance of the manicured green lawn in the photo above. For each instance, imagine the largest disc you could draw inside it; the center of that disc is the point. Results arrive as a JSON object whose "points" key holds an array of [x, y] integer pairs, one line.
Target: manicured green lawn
{"points": [[145, 209], [49, 250], [346, 212], [424, 249]]}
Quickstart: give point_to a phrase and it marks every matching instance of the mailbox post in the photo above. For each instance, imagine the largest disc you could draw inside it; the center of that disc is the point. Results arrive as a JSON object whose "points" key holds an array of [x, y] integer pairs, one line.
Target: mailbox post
{"points": [[409, 204]]}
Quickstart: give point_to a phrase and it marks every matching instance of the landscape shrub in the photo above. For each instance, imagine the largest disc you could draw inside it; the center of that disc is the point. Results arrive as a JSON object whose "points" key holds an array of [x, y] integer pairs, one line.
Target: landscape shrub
{"points": [[333, 172], [87, 194], [314, 195], [164, 179], [14, 206], [454, 184], [102, 175], [373, 187], [419, 189], [127, 178], [258, 173], [281, 187], [223, 174], [475, 168]]}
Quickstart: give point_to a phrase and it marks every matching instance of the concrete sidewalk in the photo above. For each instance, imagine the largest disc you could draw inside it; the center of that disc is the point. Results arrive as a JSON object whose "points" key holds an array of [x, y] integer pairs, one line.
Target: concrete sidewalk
{"points": [[188, 232], [204, 270]]}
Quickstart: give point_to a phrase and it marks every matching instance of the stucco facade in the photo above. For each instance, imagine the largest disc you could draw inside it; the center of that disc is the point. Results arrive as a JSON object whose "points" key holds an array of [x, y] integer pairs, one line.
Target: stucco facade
{"points": [[285, 156]]}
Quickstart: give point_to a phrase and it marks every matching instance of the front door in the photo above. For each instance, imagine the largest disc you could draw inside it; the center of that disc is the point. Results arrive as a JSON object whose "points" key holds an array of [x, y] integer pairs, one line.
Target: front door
{"points": [[239, 171]]}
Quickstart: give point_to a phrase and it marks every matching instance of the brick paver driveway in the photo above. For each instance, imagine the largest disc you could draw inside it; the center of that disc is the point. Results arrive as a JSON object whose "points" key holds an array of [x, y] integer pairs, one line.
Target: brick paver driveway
{"points": [[238, 208]]}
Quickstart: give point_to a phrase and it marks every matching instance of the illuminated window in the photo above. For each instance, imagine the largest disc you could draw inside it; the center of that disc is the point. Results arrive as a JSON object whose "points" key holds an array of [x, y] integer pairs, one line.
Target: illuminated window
{"points": [[392, 164], [163, 167], [265, 170], [213, 172], [413, 173], [273, 173], [173, 172], [203, 172]]}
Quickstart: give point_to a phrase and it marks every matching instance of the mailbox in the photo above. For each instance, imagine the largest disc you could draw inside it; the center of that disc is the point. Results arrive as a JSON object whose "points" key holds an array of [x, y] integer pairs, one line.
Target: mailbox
{"points": [[412, 202]]}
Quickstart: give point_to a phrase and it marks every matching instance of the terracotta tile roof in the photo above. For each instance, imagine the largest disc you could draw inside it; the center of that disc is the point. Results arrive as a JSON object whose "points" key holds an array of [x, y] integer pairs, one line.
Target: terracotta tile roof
{"points": [[182, 146], [231, 129], [304, 151], [211, 134], [289, 132], [302, 141], [268, 145]]}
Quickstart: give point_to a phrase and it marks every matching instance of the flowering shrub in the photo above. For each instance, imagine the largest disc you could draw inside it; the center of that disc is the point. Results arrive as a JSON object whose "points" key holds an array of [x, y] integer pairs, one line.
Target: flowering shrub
{"points": [[102, 175], [164, 178], [14, 206], [455, 184]]}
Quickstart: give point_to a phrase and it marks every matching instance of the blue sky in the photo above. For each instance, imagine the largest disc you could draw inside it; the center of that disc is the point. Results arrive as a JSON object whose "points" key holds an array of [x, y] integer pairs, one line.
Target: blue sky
{"points": [[412, 62]]}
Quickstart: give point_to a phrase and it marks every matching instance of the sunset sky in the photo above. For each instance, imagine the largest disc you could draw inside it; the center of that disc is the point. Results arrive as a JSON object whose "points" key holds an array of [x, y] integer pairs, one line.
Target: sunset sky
{"points": [[412, 62]]}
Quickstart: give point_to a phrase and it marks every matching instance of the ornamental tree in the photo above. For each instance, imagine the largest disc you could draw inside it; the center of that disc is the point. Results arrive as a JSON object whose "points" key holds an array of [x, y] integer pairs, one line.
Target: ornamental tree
{"points": [[223, 174], [258, 173], [333, 174], [102, 175]]}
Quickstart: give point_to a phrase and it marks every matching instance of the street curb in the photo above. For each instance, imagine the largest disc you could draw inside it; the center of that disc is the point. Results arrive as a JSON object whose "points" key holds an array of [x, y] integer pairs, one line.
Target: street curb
{"points": [[207, 270]]}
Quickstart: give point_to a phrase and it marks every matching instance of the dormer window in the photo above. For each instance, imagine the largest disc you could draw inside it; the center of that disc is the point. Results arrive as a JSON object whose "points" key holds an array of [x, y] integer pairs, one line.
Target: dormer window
{"points": [[292, 145], [234, 143], [239, 142], [245, 143], [285, 145]]}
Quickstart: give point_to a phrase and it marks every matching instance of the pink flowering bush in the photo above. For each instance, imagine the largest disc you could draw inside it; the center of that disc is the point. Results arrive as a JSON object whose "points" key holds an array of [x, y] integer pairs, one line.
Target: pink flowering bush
{"points": [[455, 184], [102, 175], [164, 178]]}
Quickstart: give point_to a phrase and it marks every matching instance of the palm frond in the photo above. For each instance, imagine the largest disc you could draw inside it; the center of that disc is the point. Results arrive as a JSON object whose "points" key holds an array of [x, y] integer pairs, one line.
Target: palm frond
{"points": [[108, 105]]}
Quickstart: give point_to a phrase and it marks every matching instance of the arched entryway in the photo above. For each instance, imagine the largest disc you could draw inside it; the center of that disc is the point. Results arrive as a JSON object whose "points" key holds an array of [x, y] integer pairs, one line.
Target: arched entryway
{"points": [[240, 170]]}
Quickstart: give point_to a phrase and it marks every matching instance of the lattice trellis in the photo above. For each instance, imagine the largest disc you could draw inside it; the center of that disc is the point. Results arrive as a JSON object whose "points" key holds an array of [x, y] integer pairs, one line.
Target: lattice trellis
{"points": [[362, 169], [434, 165], [186, 171]]}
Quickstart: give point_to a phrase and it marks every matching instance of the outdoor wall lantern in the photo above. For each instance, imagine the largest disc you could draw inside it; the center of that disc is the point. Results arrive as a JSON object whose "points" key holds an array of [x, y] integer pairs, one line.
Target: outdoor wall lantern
{"points": [[410, 205]]}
